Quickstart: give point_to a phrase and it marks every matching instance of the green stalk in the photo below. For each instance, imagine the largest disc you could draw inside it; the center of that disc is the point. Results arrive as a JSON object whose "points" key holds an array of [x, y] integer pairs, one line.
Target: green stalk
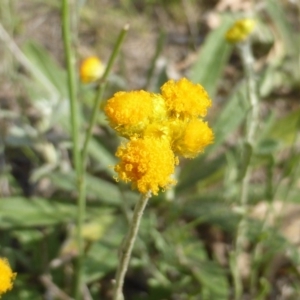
{"points": [[249, 144], [71, 80], [101, 90], [72, 89], [82, 177], [127, 245], [80, 157]]}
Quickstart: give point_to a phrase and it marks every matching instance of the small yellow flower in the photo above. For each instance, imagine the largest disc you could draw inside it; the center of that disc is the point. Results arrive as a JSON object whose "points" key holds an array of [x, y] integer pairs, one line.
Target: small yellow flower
{"points": [[191, 139], [6, 276], [148, 163], [130, 113], [185, 99], [240, 30], [91, 69]]}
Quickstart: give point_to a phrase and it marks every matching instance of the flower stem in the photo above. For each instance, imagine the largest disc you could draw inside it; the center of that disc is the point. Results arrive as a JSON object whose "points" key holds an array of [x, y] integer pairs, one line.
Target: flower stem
{"points": [[80, 157], [127, 246], [249, 143], [82, 175], [101, 89], [72, 89]]}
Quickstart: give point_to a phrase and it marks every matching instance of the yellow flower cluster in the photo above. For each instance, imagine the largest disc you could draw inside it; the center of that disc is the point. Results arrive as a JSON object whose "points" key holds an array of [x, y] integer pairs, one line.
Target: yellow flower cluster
{"points": [[240, 30], [159, 127], [6, 276]]}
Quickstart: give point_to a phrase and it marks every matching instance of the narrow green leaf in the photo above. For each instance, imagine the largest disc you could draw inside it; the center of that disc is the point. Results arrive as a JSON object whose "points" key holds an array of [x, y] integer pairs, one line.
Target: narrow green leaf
{"points": [[200, 170], [105, 158], [22, 212], [213, 57], [286, 129], [96, 188], [102, 257], [231, 116], [47, 66], [279, 17], [246, 157]]}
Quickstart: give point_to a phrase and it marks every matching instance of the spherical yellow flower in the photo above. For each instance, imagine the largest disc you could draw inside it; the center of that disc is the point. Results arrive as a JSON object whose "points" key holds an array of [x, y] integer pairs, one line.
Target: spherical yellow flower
{"points": [[240, 30], [191, 139], [148, 163], [6, 276], [185, 99], [91, 69], [130, 113]]}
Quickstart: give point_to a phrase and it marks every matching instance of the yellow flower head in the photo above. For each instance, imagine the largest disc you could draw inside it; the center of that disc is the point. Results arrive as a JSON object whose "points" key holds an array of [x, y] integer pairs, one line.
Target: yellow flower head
{"points": [[6, 276], [185, 99], [191, 139], [91, 69], [240, 30], [148, 163], [130, 113]]}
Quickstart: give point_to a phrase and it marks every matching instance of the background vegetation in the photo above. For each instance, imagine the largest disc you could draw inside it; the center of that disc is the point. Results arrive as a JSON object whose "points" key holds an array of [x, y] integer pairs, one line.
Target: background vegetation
{"points": [[188, 233]]}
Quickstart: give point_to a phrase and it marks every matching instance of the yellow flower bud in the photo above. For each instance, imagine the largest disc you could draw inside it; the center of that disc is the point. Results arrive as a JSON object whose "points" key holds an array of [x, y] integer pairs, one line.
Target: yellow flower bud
{"points": [[6, 276], [91, 69], [240, 30]]}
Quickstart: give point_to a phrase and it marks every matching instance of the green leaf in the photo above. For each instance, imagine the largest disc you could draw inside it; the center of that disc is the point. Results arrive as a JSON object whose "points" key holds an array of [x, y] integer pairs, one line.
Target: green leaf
{"points": [[23, 212], [267, 147], [279, 16], [96, 188], [231, 116], [212, 211], [213, 280], [286, 129], [213, 57], [102, 258], [200, 170], [102, 155], [45, 69], [246, 157], [23, 290]]}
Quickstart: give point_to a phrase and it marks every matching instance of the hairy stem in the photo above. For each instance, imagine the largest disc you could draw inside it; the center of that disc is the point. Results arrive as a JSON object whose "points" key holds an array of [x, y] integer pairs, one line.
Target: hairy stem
{"points": [[249, 144], [127, 245]]}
